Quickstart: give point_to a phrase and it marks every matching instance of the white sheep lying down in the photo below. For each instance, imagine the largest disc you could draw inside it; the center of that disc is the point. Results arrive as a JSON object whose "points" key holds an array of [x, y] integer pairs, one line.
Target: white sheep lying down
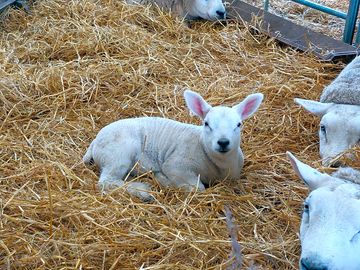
{"points": [[190, 9], [179, 154], [339, 109], [330, 224]]}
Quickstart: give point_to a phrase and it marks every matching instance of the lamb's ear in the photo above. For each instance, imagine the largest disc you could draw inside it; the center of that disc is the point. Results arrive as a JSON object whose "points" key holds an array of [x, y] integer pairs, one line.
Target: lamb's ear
{"points": [[314, 107], [311, 177], [196, 104], [249, 105]]}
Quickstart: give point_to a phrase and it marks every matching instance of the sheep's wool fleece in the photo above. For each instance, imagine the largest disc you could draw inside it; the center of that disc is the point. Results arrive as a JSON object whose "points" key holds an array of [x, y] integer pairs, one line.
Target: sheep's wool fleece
{"points": [[349, 174], [175, 6], [345, 89]]}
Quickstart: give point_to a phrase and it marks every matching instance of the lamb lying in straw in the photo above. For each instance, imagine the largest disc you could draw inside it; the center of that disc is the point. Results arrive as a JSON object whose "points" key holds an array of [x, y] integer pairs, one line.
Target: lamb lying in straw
{"points": [[339, 109], [179, 154], [330, 225], [190, 9]]}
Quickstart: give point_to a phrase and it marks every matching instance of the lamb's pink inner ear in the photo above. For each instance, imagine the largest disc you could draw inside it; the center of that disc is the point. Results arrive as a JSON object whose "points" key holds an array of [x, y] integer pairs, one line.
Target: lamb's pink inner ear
{"points": [[198, 108], [248, 108]]}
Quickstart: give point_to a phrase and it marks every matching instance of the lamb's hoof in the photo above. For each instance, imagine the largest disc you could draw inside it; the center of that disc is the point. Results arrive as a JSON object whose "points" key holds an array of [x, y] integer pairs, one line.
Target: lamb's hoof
{"points": [[194, 188], [140, 190], [106, 187]]}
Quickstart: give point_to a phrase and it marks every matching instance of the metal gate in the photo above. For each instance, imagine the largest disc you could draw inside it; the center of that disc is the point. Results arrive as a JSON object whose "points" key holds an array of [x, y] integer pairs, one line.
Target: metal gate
{"points": [[350, 17]]}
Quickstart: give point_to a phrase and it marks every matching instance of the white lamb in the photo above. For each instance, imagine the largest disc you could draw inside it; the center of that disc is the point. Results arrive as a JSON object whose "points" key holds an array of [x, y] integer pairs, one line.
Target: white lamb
{"points": [[339, 109], [190, 9], [330, 224], [179, 154]]}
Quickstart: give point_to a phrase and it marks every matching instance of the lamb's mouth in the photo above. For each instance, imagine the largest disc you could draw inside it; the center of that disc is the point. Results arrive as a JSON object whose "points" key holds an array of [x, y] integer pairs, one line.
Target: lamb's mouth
{"points": [[223, 151]]}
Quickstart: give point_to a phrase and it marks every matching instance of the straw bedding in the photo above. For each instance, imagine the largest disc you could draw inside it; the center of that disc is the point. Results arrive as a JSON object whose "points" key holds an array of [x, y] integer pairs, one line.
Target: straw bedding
{"points": [[68, 69]]}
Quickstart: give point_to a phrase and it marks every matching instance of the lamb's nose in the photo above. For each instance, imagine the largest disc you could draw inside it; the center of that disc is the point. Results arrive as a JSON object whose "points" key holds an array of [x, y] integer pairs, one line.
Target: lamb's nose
{"points": [[221, 14], [328, 162], [336, 164], [311, 263], [223, 143]]}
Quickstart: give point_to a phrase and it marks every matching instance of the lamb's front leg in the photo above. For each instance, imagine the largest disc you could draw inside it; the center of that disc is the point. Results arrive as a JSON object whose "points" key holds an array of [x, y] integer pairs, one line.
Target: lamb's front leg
{"points": [[111, 177], [177, 177]]}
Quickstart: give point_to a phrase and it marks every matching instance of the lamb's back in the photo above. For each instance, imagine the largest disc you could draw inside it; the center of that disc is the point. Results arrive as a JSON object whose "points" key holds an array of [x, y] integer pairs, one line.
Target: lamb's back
{"points": [[166, 4], [348, 174], [163, 135], [345, 89]]}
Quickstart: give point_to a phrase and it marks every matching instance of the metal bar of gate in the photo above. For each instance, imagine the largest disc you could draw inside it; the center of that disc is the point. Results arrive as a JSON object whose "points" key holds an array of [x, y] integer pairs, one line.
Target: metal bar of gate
{"points": [[322, 8], [6, 3], [313, 5]]}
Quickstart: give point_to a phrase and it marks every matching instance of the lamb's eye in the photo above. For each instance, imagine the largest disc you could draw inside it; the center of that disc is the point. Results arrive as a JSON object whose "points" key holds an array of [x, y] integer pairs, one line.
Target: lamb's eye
{"points": [[356, 237], [306, 207], [323, 129], [206, 124], [239, 125]]}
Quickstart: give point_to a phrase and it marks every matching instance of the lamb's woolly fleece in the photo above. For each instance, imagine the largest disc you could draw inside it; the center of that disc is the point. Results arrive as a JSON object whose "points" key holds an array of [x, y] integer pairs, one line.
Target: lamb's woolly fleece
{"points": [[345, 89], [349, 174]]}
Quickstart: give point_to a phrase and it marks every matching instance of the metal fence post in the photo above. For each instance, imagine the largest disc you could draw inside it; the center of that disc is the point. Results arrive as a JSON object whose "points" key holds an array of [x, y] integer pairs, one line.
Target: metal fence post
{"points": [[351, 21], [266, 5], [357, 40]]}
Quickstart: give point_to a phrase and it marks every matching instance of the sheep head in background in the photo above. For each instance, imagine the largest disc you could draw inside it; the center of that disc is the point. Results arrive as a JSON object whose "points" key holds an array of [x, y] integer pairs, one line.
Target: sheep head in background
{"points": [[330, 224], [339, 127], [179, 154], [205, 9], [339, 110], [190, 9]]}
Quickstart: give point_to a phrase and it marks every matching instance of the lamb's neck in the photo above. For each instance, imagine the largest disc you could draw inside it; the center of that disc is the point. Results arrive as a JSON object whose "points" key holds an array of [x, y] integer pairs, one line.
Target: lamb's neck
{"points": [[231, 162]]}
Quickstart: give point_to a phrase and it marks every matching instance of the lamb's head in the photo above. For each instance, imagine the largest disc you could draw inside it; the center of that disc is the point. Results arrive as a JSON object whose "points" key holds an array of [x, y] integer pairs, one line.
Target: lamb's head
{"points": [[330, 225], [222, 125], [339, 127], [206, 9]]}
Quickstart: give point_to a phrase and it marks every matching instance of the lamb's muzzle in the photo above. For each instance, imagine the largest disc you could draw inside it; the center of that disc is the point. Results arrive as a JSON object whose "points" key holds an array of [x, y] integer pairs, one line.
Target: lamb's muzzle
{"points": [[223, 145]]}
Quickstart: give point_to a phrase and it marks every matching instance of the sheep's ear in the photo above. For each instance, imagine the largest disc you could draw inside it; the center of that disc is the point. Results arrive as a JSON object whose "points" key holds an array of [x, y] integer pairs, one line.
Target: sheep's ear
{"points": [[249, 105], [315, 107], [196, 104], [311, 177]]}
